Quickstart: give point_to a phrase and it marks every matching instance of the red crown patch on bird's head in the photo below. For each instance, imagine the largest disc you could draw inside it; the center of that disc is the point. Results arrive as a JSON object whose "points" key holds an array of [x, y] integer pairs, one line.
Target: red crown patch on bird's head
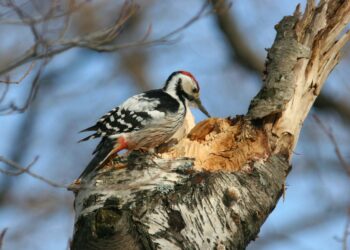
{"points": [[189, 75], [168, 83]]}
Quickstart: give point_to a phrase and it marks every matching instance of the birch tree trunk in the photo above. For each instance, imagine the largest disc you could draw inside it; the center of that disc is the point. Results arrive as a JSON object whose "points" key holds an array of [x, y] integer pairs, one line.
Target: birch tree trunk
{"points": [[217, 186]]}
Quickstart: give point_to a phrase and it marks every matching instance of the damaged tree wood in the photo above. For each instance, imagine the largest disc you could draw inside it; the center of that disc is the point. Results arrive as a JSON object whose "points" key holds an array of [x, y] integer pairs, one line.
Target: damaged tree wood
{"points": [[217, 186]]}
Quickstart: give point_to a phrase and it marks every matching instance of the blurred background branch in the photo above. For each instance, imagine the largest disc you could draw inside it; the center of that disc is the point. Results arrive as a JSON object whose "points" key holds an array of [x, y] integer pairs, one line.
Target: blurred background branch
{"points": [[14, 108], [345, 239], [94, 40], [99, 40], [22, 170], [2, 236], [330, 135]]}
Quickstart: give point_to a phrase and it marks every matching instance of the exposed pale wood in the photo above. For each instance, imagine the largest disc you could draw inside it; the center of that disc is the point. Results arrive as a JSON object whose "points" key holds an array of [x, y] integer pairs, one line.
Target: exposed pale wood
{"points": [[220, 144]]}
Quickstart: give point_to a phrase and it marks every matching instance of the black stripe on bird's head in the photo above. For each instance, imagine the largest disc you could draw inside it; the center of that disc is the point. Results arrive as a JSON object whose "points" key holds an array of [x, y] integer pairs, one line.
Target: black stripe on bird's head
{"points": [[183, 85]]}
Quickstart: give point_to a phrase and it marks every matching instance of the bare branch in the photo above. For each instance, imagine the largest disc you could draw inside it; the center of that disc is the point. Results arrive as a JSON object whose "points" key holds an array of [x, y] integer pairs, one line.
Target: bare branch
{"points": [[21, 171], [308, 222], [346, 233], [92, 40], [18, 150], [13, 108], [22, 15], [2, 236], [243, 52], [27, 170], [97, 40], [50, 15], [325, 102], [330, 135], [2, 97], [66, 21], [201, 13], [161, 40], [8, 81]]}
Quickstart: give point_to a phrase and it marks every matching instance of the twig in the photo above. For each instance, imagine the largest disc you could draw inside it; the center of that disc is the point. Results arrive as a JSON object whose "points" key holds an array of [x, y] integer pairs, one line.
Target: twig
{"points": [[37, 20], [93, 40], [2, 236], [346, 233], [22, 15], [244, 54], [8, 81], [12, 107], [27, 170], [192, 20], [2, 97], [107, 35], [66, 21], [330, 135], [308, 222], [161, 40], [19, 172]]}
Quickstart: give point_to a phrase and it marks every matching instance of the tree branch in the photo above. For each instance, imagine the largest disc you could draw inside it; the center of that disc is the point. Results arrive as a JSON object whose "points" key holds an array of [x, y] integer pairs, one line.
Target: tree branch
{"points": [[244, 54], [330, 135], [8, 81], [51, 13], [22, 170], [14, 108], [100, 40], [346, 233], [2, 236], [308, 222]]}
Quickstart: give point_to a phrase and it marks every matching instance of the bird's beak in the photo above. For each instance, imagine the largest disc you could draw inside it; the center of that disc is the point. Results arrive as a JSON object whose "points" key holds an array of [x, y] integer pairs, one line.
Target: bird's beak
{"points": [[201, 107]]}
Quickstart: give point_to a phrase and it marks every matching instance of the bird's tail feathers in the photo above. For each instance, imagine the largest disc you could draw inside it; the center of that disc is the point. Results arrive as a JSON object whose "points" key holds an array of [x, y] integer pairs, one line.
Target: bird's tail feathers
{"points": [[92, 128], [102, 154], [93, 136]]}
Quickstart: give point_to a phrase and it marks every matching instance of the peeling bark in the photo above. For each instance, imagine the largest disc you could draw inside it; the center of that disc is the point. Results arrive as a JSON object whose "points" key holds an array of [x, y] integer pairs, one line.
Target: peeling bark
{"points": [[216, 187]]}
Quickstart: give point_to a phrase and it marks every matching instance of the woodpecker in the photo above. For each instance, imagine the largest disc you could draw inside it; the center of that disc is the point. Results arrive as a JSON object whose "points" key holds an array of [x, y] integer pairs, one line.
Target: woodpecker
{"points": [[146, 120]]}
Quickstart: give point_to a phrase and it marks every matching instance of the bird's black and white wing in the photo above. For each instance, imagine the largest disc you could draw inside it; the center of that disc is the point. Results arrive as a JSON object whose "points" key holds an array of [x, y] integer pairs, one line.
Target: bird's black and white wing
{"points": [[138, 112]]}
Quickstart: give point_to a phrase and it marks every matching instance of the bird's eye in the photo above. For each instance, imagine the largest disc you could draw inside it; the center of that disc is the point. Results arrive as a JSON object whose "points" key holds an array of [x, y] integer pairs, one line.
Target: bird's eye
{"points": [[195, 90]]}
